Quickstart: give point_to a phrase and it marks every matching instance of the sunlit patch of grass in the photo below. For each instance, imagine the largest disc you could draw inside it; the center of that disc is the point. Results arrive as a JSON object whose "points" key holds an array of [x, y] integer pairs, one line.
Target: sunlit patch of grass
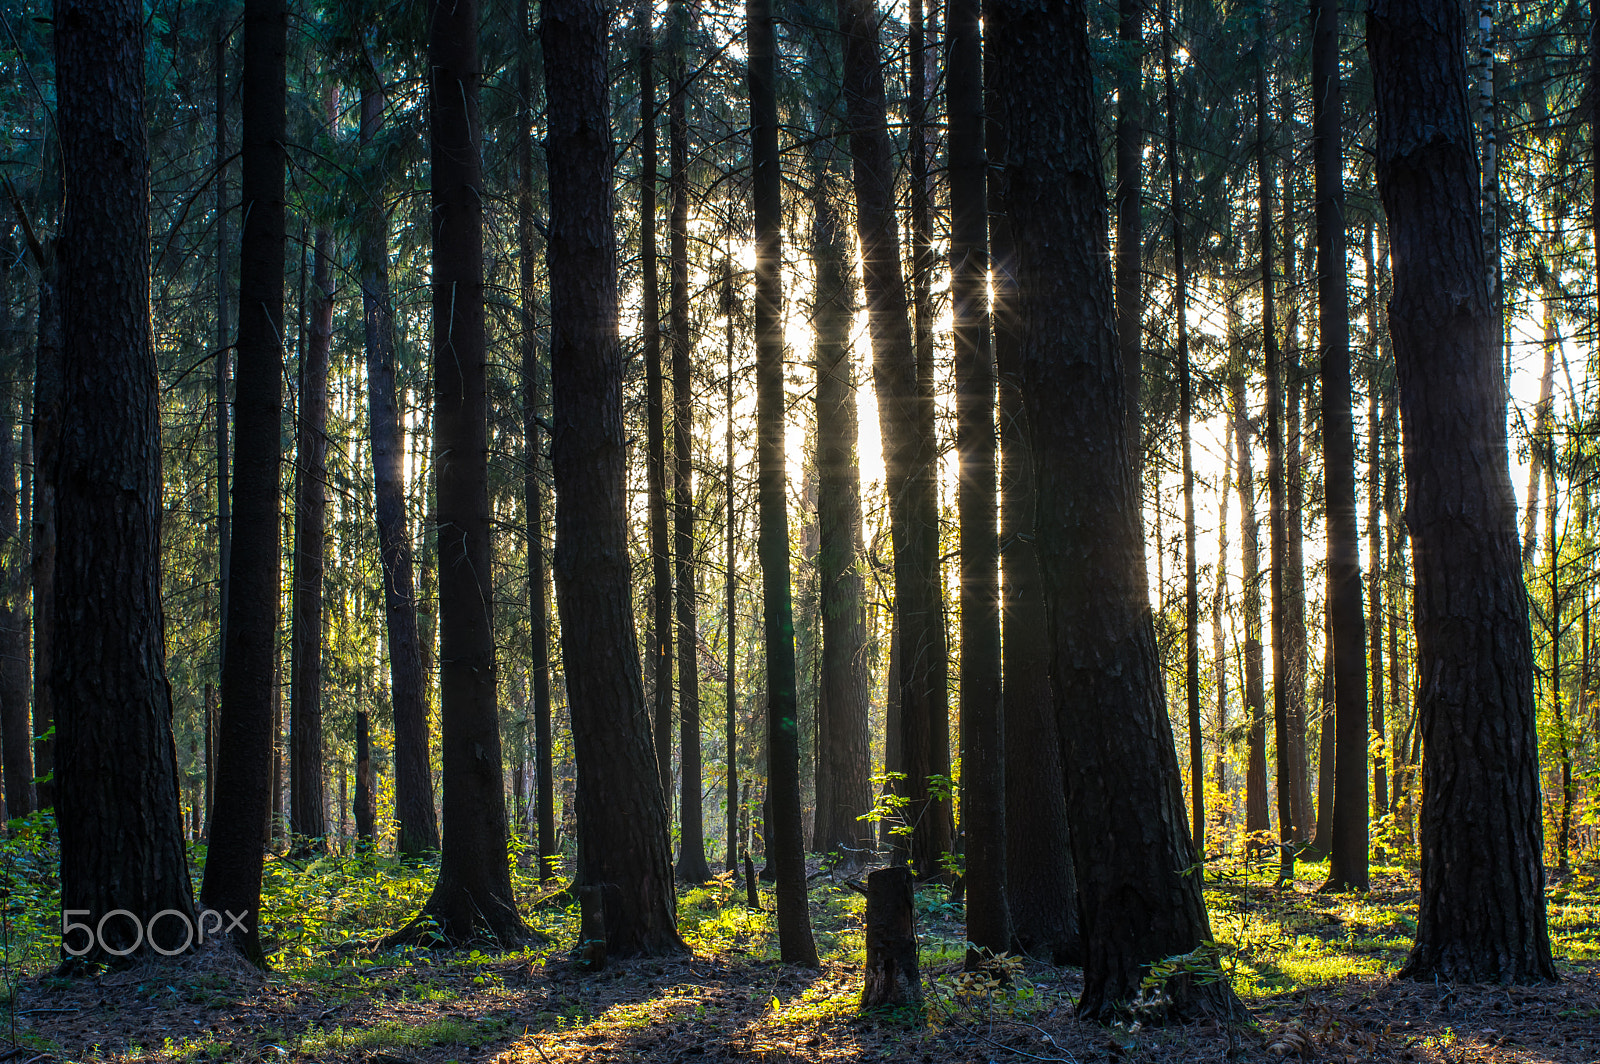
{"points": [[447, 1030]]}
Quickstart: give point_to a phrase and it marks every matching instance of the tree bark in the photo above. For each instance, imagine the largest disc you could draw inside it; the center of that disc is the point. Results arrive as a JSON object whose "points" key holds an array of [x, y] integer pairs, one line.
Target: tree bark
{"points": [[1257, 821], [730, 696], [1347, 866], [1130, 230], [118, 802], [472, 897], [222, 380], [905, 415], [893, 976], [623, 847], [413, 776], [16, 733], [1131, 847], [692, 866], [366, 782], [1482, 907], [982, 710], [242, 797], [307, 801], [1377, 738]]}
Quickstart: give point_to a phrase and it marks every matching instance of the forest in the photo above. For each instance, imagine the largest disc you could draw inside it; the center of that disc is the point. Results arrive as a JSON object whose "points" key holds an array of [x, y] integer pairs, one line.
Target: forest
{"points": [[799, 530]]}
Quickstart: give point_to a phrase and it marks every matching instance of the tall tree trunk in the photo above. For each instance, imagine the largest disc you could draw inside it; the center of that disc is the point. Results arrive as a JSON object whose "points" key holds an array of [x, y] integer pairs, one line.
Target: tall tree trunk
{"points": [[366, 782], [1041, 887], [1541, 421], [533, 460], [413, 776], [1482, 908], [655, 413], [730, 696], [623, 848], [1257, 820], [982, 710], [1219, 610], [845, 745], [46, 436], [1347, 866], [472, 897], [307, 802], [1322, 839], [1278, 520], [692, 866], [118, 810], [1191, 586], [905, 415], [222, 379], [246, 738], [1378, 737], [1130, 229], [1131, 844], [784, 846], [16, 735], [1294, 575]]}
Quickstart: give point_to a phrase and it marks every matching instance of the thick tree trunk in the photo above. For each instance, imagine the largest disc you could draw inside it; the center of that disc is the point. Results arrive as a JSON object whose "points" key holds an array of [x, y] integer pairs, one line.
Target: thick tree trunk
{"points": [[1482, 906], [905, 415], [1131, 845], [533, 463], [413, 776], [1347, 867], [844, 746], [784, 847], [472, 897], [660, 638], [623, 848], [307, 801], [692, 866], [242, 798], [982, 711], [118, 810]]}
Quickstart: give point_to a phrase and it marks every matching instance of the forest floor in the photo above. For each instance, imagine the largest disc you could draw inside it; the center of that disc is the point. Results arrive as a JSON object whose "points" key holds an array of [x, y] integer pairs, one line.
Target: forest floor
{"points": [[1315, 970]]}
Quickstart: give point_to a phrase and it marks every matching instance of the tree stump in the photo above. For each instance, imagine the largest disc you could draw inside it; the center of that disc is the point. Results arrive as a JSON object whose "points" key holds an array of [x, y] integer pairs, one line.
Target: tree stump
{"points": [[892, 975]]}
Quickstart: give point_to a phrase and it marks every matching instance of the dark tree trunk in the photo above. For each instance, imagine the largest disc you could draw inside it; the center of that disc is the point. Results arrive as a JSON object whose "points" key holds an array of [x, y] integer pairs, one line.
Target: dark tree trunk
{"points": [[1131, 845], [655, 414], [1278, 522], [1257, 821], [623, 848], [120, 822], [982, 712], [307, 802], [472, 898], [1377, 738], [413, 776], [1191, 585], [893, 976], [1219, 605], [16, 735], [366, 782], [1482, 908], [1130, 229], [905, 415], [730, 689], [247, 739], [784, 842], [533, 463], [46, 435], [222, 380], [1322, 838], [1041, 889], [1347, 866], [1294, 575], [692, 866], [844, 746]]}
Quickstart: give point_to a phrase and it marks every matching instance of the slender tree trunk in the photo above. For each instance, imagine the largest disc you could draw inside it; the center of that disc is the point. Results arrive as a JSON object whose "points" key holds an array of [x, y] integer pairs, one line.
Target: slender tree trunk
{"points": [[1131, 845], [1541, 421], [623, 848], [905, 414], [1301, 807], [1278, 520], [307, 802], [1130, 229], [784, 851], [366, 782], [655, 413], [246, 738], [1377, 740], [1347, 867], [1257, 820], [982, 710], [413, 776], [222, 380], [46, 436], [16, 735], [118, 811], [730, 695], [1482, 907], [692, 866], [533, 460], [845, 745], [1322, 840], [472, 897], [1219, 610]]}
